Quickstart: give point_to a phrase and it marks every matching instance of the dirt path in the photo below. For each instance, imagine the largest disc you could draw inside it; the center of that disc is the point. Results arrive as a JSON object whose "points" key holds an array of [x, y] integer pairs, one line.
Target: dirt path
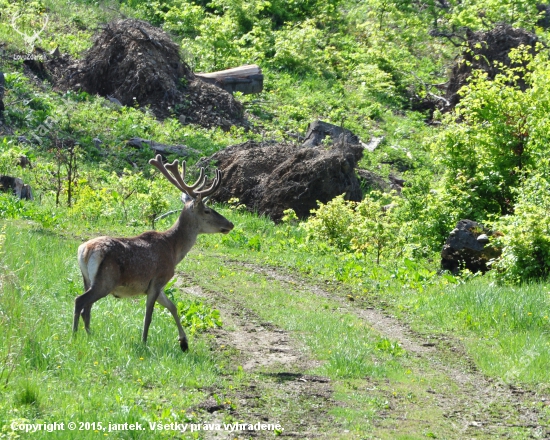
{"points": [[466, 404], [478, 405], [277, 365]]}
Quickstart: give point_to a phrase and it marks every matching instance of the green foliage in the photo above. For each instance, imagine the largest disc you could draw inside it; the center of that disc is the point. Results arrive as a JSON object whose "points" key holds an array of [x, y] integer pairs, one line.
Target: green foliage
{"points": [[367, 227], [493, 150], [525, 238], [331, 223], [390, 347], [486, 13], [488, 143], [197, 316]]}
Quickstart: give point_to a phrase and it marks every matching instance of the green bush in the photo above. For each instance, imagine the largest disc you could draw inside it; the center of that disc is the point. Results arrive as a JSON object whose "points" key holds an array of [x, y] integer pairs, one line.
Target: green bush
{"points": [[498, 132], [368, 227], [526, 233]]}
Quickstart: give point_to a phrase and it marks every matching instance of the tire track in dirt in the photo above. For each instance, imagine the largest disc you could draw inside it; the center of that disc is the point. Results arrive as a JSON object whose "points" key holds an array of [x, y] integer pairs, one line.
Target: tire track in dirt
{"points": [[277, 364], [476, 405]]}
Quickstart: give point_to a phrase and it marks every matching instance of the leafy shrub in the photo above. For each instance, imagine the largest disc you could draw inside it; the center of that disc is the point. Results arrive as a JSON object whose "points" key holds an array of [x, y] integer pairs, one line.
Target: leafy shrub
{"points": [[497, 133], [331, 223], [299, 48], [526, 233], [366, 227], [91, 204], [197, 316]]}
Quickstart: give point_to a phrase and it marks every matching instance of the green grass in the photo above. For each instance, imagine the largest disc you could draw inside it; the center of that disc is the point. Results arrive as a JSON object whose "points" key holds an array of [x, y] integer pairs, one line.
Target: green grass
{"points": [[345, 345], [506, 328], [46, 374], [49, 375]]}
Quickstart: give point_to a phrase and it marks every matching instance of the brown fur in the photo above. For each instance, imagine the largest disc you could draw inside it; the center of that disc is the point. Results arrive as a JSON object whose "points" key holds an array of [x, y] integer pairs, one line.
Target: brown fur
{"points": [[143, 265]]}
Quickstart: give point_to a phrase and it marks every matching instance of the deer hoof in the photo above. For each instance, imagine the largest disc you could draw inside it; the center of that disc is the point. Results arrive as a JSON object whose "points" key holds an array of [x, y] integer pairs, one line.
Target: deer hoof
{"points": [[183, 345]]}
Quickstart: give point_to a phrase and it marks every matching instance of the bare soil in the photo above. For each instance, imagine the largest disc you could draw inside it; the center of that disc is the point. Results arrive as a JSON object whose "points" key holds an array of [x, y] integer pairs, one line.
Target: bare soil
{"points": [[279, 363], [270, 178], [487, 51]]}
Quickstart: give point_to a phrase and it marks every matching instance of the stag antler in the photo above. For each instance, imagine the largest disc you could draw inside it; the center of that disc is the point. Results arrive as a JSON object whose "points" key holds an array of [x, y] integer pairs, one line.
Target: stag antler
{"points": [[171, 172]]}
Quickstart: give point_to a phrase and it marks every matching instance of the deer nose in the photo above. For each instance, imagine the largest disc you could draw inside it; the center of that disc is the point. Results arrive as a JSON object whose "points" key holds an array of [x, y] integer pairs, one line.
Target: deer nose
{"points": [[227, 229]]}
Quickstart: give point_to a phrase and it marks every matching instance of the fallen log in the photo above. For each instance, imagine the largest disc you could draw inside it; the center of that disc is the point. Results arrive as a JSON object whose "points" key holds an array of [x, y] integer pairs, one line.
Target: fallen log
{"points": [[247, 79], [180, 150]]}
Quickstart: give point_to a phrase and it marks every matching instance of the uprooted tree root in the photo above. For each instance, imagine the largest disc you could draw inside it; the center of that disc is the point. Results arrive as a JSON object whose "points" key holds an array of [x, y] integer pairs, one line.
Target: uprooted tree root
{"points": [[139, 64], [487, 51]]}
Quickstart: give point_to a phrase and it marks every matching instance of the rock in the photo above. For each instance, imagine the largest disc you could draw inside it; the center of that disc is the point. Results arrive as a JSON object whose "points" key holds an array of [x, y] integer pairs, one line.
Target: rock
{"points": [[158, 148], [114, 100], [376, 182], [396, 184], [271, 178], [467, 248], [544, 11], [373, 143], [483, 239], [17, 186], [373, 181]]}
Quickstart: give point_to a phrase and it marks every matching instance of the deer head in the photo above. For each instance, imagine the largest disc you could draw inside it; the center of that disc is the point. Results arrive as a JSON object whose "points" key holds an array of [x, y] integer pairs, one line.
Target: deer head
{"points": [[208, 220]]}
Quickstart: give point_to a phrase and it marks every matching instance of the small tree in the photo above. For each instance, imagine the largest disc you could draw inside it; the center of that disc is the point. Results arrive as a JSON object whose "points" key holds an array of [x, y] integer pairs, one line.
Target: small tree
{"points": [[66, 154]]}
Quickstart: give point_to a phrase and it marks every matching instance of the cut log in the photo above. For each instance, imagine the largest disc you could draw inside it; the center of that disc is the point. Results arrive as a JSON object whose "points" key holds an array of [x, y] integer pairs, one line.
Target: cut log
{"points": [[180, 150], [245, 79]]}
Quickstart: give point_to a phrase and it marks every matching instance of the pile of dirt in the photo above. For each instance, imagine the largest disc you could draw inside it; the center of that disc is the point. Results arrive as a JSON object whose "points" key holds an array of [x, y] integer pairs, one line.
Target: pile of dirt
{"points": [[269, 179], [139, 64], [486, 51]]}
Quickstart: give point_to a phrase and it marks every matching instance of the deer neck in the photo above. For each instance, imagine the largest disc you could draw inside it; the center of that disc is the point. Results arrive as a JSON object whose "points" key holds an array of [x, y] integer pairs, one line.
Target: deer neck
{"points": [[182, 235]]}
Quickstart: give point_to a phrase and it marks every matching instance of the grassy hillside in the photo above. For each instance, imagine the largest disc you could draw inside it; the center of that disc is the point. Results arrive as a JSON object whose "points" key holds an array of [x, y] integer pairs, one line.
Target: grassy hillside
{"points": [[341, 326]]}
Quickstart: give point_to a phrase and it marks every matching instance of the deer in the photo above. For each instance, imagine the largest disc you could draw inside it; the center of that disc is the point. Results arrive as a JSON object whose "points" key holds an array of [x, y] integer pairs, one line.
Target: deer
{"points": [[143, 265]]}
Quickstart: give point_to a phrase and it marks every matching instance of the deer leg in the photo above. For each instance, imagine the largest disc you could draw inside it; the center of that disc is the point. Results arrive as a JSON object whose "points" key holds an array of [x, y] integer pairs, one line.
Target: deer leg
{"points": [[86, 315], [83, 305], [86, 311], [165, 301], [152, 296]]}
